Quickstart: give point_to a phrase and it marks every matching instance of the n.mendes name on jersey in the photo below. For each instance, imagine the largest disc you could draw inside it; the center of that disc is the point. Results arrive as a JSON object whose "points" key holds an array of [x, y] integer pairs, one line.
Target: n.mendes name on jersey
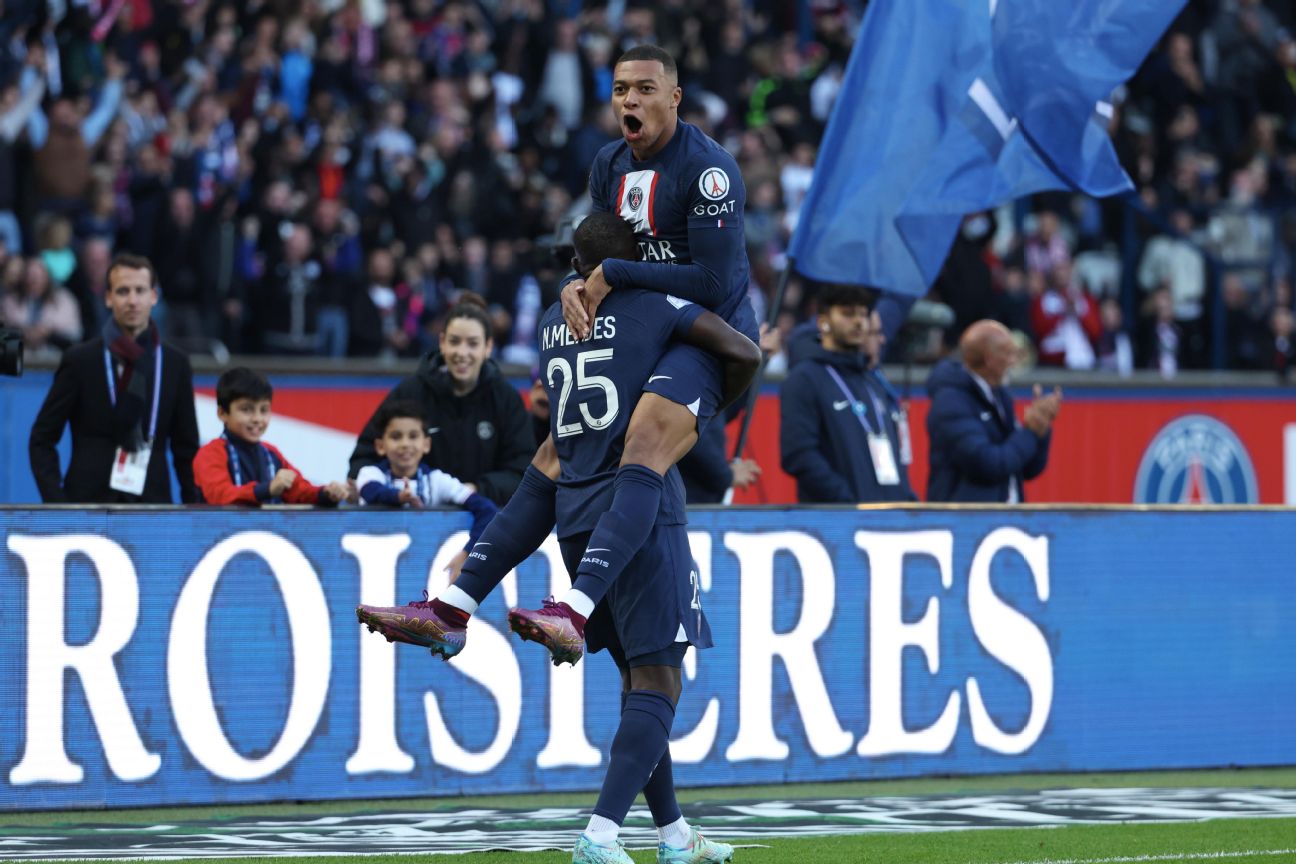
{"points": [[559, 335], [594, 385]]}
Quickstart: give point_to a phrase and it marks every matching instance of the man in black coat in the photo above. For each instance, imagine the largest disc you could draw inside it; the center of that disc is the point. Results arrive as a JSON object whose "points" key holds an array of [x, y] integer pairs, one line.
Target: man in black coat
{"points": [[127, 396], [839, 432], [979, 453], [482, 437]]}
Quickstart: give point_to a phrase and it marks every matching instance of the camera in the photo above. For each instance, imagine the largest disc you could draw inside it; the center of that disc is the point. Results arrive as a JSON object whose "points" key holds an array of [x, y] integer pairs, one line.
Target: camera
{"points": [[11, 352]]}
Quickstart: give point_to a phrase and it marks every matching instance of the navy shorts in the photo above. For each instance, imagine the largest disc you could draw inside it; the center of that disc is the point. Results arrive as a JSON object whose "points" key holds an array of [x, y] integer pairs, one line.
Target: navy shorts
{"points": [[652, 605], [694, 378]]}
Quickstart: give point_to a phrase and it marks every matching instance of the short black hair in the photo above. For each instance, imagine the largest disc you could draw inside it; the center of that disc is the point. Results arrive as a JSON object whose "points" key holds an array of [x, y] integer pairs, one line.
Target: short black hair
{"points": [[836, 294], [241, 383], [398, 409], [134, 262], [604, 235], [651, 52]]}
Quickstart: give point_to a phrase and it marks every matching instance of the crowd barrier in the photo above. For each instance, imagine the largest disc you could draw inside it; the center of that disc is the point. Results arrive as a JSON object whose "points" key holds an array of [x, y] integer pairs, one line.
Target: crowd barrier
{"points": [[159, 656]]}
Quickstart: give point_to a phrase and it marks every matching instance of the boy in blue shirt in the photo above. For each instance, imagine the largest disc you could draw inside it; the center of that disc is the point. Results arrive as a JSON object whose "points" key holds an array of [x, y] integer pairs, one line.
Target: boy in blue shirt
{"points": [[401, 479]]}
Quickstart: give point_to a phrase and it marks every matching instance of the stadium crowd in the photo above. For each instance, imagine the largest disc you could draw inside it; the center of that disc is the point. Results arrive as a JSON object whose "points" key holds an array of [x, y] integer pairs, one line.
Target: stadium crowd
{"points": [[325, 178]]}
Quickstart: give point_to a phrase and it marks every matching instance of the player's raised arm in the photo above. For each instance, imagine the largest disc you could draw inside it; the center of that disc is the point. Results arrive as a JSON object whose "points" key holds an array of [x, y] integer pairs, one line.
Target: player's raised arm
{"points": [[740, 355]]}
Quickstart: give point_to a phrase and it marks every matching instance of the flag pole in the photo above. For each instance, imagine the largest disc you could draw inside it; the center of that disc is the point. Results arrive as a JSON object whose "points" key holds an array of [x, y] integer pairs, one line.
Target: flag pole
{"points": [[753, 392]]}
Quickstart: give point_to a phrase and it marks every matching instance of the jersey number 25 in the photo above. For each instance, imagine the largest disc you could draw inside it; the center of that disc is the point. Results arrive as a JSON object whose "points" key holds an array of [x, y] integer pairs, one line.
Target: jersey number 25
{"points": [[583, 380]]}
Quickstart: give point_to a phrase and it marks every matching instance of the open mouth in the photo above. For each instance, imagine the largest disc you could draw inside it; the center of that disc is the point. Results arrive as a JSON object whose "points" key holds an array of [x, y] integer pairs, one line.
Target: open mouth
{"points": [[633, 124]]}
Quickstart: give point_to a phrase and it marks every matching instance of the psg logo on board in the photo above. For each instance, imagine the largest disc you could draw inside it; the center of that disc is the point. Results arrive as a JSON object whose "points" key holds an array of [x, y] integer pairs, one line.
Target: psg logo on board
{"points": [[1196, 460], [635, 198]]}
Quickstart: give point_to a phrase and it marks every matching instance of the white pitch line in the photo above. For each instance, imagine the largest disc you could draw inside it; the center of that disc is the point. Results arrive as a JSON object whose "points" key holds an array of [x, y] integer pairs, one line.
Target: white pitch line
{"points": [[1177, 856]]}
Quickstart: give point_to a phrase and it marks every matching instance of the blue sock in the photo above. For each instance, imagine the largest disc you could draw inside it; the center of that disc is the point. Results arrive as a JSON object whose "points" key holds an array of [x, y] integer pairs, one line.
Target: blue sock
{"points": [[640, 741], [621, 531], [659, 793], [514, 533]]}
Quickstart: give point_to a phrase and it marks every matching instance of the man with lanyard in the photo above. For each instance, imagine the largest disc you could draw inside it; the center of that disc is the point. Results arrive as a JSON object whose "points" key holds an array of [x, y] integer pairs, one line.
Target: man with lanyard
{"points": [[126, 395], [840, 435]]}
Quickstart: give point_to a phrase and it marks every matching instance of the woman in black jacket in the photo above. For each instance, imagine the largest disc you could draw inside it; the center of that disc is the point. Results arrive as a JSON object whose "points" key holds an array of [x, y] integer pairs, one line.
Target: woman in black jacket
{"points": [[478, 425]]}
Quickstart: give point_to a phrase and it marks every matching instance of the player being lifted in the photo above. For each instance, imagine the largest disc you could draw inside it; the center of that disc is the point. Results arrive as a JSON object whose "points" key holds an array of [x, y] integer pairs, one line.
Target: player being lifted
{"points": [[650, 616], [684, 197]]}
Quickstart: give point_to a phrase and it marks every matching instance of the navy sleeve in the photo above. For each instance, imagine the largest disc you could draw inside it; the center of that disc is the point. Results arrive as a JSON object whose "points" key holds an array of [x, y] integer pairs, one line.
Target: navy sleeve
{"points": [[715, 201], [800, 450], [1035, 467], [959, 431], [374, 492], [685, 317], [483, 510]]}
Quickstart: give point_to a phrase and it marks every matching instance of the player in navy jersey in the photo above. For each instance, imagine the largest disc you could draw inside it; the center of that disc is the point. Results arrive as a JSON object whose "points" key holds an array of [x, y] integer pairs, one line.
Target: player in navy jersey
{"points": [[684, 196], [647, 620]]}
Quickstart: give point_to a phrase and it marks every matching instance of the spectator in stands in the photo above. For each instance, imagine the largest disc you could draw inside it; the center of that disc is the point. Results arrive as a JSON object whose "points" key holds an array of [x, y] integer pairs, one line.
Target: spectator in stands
{"points": [[1161, 342], [44, 312], [287, 302], [1115, 350], [965, 283], [89, 282], [126, 395], [1173, 261], [478, 425], [837, 435], [16, 105], [1047, 248], [1244, 336], [979, 452], [452, 125], [240, 467], [178, 256], [1282, 331], [63, 143], [385, 317], [1065, 321], [337, 248]]}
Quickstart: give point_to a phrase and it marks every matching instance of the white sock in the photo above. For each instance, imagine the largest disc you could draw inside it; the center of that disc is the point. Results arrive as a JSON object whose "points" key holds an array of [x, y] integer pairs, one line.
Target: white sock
{"points": [[458, 598], [675, 834], [577, 600], [602, 831]]}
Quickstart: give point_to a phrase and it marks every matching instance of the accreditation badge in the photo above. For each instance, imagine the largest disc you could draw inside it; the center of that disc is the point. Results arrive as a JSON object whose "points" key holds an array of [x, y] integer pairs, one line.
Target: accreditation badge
{"points": [[130, 470], [884, 463]]}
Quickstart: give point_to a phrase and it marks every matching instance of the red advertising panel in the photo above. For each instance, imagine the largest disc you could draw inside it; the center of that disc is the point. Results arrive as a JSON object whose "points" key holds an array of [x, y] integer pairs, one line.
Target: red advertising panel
{"points": [[1109, 446]]}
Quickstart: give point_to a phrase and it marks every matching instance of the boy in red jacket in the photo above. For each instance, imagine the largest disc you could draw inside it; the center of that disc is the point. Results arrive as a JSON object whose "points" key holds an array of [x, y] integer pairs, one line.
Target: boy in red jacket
{"points": [[240, 468]]}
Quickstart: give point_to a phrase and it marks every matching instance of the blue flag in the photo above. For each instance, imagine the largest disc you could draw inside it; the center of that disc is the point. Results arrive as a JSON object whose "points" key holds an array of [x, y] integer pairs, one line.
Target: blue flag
{"points": [[924, 131]]}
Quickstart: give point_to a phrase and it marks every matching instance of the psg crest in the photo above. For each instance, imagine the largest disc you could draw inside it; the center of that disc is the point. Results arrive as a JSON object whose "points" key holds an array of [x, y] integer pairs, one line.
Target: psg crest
{"points": [[635, 198], [1195, 460]]}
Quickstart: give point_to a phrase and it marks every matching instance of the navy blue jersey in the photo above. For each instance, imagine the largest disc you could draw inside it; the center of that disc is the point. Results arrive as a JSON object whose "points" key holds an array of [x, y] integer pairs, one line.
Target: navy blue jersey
{"points": [[594, 386], [686, 206]]}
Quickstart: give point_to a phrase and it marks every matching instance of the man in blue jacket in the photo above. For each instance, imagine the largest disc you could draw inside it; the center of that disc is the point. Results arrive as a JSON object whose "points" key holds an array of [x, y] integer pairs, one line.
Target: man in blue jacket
{"points": [[839, 427], [979, 452]]}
